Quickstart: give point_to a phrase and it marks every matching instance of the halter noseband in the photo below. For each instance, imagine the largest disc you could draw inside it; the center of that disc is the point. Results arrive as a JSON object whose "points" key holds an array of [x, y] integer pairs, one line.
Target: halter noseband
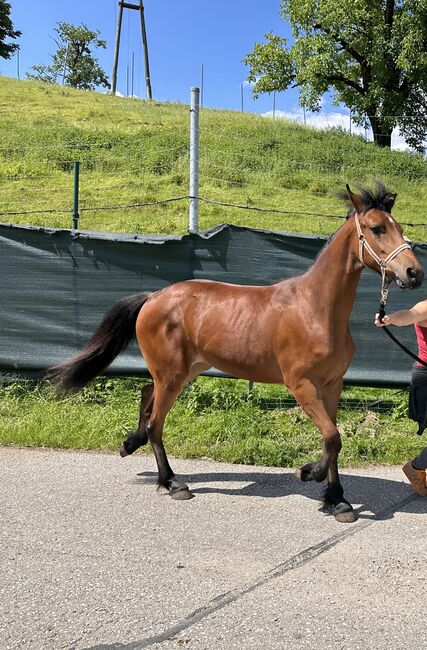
{"points": [[382, 263]]}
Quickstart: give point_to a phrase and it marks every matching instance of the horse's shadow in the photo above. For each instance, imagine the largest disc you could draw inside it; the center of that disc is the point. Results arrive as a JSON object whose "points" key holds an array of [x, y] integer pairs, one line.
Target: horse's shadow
{"points": [[376, 496]]}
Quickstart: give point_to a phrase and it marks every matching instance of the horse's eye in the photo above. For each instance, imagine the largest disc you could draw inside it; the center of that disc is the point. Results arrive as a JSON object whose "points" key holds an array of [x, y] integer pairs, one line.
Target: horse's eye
{"points": [[377, 230]]}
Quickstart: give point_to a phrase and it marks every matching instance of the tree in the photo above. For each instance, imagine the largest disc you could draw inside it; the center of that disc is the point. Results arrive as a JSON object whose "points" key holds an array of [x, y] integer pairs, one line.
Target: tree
{"points": [[74, 60], [372, 53], [7, 31]]}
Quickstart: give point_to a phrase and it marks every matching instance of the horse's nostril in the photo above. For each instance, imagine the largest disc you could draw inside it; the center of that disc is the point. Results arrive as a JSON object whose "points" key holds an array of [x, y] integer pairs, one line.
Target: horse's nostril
{"points": [[415, 276]]}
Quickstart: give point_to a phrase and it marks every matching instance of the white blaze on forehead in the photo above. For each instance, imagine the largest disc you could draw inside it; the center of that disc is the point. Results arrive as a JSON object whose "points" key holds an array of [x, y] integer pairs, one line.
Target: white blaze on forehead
{"points": [[391, 219]]}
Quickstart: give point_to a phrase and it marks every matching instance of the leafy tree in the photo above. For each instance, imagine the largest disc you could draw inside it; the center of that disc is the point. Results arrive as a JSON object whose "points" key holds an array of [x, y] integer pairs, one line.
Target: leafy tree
{"points": [[7, 31], [372, 53], [74, 59]]}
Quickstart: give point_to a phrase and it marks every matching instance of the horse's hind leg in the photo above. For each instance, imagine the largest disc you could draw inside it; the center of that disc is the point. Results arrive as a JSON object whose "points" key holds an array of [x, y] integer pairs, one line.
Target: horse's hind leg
{"points": [[165, 393], [156, 401], [139, 437]]}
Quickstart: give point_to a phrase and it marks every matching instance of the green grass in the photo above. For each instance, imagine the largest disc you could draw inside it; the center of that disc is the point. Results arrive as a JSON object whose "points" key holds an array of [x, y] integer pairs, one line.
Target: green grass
{"points": [[136, 151], [213, 418]]}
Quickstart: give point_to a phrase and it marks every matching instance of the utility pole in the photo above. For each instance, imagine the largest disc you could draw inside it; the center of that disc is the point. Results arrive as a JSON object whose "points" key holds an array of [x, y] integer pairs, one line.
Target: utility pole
{"points": [[132, 72], [202, 80], [138, 7], [65, 63], [145, 48]]}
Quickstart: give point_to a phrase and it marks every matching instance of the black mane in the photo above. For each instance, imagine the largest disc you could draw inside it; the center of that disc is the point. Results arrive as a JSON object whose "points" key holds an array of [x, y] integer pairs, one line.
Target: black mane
{"points": [[376, 198]]}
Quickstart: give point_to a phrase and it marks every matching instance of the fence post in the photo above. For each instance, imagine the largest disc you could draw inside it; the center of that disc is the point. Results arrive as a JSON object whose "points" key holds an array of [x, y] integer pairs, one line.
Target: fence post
{"points": [[193, 224], [76, 195]]}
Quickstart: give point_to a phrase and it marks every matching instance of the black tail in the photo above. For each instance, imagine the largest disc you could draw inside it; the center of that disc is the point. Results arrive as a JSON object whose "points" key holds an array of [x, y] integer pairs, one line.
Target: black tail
{"points": [[113, 334]]}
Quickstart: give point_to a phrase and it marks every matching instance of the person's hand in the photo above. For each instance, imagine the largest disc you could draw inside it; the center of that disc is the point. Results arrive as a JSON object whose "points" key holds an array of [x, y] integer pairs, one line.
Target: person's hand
{"points": [[385, 320]]}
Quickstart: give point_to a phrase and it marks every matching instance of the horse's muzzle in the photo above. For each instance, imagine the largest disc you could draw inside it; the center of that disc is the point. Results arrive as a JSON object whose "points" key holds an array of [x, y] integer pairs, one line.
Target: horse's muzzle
{"points": [[413, 278]]}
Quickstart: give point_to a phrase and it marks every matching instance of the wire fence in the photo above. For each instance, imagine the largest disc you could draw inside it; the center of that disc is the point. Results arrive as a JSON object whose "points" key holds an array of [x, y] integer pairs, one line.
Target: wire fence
{"points": [[261, 175], [186, 197]]}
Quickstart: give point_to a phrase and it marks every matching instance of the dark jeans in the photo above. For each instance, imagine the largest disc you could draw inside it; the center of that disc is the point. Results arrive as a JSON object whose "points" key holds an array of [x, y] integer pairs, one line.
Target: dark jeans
{"points": [[418, 408]]}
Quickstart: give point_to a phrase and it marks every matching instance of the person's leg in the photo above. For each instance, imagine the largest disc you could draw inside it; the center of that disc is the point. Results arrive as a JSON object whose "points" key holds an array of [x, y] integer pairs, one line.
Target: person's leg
{"points": [[415, 470], [420, 462]]}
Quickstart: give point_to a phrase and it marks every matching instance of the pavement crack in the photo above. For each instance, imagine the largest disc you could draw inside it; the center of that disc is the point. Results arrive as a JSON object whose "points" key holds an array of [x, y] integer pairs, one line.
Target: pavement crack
{"points": [[295, 562]]}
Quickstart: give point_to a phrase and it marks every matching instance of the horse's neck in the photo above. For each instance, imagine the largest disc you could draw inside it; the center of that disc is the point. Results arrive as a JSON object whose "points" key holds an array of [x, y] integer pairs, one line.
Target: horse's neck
{"points": [[335, 275]]}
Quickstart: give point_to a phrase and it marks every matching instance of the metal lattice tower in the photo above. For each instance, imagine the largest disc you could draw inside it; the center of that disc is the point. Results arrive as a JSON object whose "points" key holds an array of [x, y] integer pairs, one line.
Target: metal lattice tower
{"points": [[138, 7]]}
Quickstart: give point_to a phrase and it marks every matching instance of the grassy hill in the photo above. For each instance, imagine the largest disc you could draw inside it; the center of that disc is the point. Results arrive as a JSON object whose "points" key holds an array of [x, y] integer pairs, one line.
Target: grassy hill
{"points": [[132, 151]]}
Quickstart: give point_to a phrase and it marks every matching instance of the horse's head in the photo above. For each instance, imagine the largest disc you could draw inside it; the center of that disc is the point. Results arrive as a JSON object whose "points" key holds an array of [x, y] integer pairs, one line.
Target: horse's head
{"points": [[382, 246]]}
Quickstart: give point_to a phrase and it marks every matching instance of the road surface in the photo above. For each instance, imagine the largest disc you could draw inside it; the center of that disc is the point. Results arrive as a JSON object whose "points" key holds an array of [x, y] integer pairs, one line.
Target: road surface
{"points": [[92, 557]]}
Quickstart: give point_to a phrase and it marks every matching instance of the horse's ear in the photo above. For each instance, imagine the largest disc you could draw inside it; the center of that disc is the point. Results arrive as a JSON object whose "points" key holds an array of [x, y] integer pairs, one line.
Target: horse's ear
{"points": [[355, 199], [389, 201]]}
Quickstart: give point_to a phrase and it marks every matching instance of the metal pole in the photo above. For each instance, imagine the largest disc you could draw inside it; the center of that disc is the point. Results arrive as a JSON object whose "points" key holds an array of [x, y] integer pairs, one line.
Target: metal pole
{"points": [[133, 71], [250, 388], [116, 50], [202, 86], [76, 195], [65, 63], [193, 224], [145, 48]]}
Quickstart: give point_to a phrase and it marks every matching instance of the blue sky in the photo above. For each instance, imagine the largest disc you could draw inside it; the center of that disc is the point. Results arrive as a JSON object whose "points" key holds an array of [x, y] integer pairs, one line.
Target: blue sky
{"points": [[182, 35]]}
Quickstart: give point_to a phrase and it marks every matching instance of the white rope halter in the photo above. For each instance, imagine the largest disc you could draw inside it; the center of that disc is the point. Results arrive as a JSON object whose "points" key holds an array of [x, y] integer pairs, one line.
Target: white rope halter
{"points": [[382, 263]]}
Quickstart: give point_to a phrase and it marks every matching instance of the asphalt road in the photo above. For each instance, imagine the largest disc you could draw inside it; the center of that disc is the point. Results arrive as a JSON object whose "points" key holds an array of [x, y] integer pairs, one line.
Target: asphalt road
{"points": [[92, 557]]}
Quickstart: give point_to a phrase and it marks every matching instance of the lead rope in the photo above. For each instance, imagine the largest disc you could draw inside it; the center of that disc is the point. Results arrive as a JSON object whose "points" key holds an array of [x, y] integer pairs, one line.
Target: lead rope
{"points": [[384, 285]]}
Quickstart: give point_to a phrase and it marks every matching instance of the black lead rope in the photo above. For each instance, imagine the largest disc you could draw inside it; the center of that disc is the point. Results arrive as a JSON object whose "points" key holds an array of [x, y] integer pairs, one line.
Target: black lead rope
{"points": [[381, 315]]}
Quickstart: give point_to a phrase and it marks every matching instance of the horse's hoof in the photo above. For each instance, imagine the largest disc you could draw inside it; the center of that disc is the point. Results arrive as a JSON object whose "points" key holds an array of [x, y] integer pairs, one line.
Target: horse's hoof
{"points": [[344, 513], [181, 493], [305, 474], [123, 452]]}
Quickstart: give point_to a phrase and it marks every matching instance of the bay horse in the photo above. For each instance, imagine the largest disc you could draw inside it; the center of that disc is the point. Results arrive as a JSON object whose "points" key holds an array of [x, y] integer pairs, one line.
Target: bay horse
{"points": [[294, 332]]}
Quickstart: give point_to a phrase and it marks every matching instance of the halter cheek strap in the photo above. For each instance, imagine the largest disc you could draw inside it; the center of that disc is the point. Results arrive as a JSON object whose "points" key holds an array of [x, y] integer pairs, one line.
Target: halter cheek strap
{"points": [[382, 263]]}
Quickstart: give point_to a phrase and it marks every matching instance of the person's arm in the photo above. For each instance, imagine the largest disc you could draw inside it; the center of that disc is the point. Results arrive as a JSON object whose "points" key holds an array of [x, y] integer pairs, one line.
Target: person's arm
{"points": [[416, 314]]}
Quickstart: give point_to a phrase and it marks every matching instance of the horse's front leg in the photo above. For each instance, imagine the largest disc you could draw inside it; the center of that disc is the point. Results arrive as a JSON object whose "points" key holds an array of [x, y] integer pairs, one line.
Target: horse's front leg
{"points": [[333, 497], [320, 410]]}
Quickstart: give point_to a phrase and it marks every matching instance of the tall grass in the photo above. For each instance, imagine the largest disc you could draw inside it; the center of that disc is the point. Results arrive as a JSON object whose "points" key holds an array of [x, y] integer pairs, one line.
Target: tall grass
{"points": [[212, 418]]}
